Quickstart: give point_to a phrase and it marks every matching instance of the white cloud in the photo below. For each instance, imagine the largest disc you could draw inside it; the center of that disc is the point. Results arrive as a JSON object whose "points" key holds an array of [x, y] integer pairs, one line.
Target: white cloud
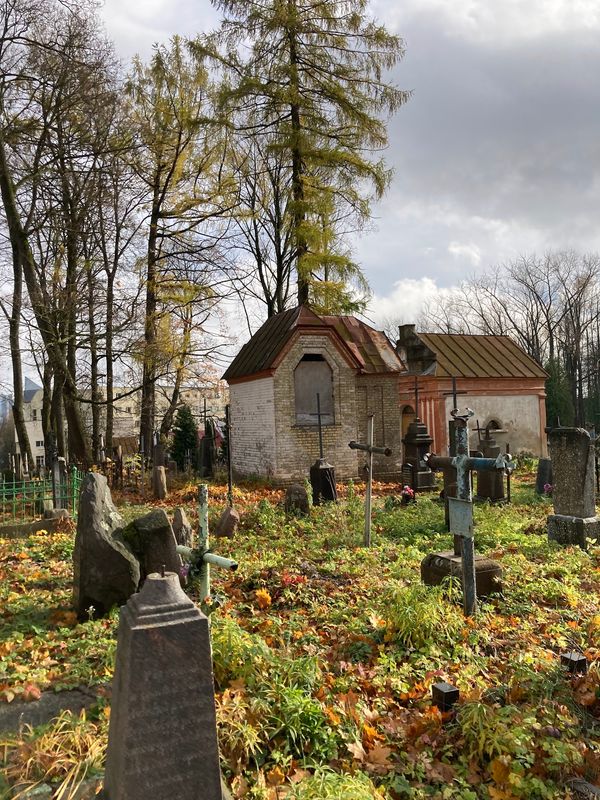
{"points": [[470, 252], [406, 301]]}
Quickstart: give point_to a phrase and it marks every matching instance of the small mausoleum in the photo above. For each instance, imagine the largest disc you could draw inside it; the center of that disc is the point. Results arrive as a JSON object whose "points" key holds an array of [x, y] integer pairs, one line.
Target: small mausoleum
{"points": [[493, 376], [274, 381]]}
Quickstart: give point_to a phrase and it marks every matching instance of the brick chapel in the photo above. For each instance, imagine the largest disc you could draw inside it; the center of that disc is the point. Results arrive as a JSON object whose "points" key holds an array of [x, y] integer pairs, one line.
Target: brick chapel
{"points": [[355, 369]]}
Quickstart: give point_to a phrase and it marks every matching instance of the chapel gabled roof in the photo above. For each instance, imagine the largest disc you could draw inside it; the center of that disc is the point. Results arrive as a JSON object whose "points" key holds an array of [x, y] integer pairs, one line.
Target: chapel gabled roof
{"points": [[480, 356], [370, 350]]}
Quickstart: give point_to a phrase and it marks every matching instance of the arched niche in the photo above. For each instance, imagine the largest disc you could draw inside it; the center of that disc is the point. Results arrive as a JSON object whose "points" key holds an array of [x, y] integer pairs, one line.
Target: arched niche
{"points": [[313, 375]]}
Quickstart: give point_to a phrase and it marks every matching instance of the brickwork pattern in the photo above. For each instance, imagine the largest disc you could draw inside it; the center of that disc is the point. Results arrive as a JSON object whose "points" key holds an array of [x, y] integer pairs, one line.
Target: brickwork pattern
{"points": [[252, 414], [378, 395]]}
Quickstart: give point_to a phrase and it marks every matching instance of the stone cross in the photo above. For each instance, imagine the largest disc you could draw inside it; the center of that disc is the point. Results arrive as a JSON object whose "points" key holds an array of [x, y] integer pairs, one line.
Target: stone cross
{"points": [[370, 449], [573, 494], [162, 739]]}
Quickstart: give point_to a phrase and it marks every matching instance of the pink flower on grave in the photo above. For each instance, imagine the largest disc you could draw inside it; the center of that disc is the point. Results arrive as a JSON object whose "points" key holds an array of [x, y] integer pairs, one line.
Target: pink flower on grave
{"points": [[548, 489], [408, 493]]}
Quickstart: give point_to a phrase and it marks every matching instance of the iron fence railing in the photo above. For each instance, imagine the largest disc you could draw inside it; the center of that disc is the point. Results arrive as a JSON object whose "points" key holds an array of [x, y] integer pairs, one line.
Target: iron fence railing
{"points": [[21, 501]]}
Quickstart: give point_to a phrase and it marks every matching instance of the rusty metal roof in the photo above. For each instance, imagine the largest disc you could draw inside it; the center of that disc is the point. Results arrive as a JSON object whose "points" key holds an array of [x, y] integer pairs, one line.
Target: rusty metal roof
{"points": [[371, 350], [480, 356]]}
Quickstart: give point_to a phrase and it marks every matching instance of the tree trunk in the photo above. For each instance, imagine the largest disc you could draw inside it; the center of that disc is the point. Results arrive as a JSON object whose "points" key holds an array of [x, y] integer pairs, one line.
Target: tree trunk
{"points": [[149, 373], [299, 214], [22, 252], [15, 356], [47, 414]]}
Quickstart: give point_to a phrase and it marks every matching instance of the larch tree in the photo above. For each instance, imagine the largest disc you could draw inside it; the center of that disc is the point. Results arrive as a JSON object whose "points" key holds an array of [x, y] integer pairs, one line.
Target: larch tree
{"points": [[314, 79], [178, 155]]}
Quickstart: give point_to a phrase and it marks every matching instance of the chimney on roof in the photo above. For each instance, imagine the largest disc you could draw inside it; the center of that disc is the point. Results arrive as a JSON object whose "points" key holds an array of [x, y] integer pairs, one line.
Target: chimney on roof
{"points": [[412, 351]]}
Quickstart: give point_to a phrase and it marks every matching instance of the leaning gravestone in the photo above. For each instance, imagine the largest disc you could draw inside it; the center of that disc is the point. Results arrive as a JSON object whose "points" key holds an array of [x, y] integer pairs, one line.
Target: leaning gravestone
{"points": [[227, 524], [105, 571], [573, 493], [159, 483], [182, 528], [162, 740]]}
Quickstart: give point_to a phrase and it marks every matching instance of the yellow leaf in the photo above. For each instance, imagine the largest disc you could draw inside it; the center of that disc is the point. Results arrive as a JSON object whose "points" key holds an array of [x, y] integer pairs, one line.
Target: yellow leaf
{"points": [[276, 776], [263, 598]]}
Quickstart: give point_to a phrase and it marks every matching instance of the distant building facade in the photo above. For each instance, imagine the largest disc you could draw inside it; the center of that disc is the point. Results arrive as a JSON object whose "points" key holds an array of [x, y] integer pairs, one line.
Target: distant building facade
{"points": [[211, 399], [496, 378]]}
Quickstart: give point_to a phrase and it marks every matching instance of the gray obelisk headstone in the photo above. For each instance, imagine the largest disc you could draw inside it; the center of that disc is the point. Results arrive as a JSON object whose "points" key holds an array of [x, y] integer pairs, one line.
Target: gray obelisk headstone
{"points": [[574, 487], [162, 740]]}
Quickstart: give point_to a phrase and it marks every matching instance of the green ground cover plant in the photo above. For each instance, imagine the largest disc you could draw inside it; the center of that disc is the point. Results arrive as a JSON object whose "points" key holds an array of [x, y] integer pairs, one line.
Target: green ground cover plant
{"points": [[325, 652]]}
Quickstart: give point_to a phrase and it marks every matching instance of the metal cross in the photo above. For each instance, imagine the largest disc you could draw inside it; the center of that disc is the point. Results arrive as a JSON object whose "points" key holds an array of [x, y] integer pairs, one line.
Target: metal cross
{"points": [[461, 506], [370, 449]]}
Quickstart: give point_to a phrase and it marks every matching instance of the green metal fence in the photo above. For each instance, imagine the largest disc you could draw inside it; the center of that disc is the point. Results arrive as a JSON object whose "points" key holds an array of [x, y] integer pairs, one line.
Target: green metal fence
{"points": [[22, 501]]}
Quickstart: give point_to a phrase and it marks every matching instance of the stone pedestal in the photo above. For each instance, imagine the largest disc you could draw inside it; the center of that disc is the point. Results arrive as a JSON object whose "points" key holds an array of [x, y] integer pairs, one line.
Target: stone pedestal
{"points": [[162, 740], [569, 530], [415, 472], [322, 480], [437, 566]]}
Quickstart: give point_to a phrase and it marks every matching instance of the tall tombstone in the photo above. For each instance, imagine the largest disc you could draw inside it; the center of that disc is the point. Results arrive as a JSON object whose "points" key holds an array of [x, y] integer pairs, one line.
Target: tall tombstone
{"points": [[162, 739], [574, 488]]}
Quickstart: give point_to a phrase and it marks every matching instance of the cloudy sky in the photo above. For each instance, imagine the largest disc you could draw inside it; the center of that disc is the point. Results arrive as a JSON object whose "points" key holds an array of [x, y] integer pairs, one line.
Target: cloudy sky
{"points": [[497, 152]]}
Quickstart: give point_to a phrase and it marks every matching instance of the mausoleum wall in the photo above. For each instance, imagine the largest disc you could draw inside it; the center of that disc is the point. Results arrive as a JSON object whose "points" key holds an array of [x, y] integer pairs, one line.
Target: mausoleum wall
{"points": [[298, 445], [252, 415]]}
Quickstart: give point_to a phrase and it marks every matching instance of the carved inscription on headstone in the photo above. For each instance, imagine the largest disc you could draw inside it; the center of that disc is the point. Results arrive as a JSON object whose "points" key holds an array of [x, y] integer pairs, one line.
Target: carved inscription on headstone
{"points": [[162, 741]]}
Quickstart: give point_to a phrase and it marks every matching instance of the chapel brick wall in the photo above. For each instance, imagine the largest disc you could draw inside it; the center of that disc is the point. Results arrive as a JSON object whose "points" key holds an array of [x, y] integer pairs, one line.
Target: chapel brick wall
{"points": [[378, 395], [298, 445], [252, 419]]}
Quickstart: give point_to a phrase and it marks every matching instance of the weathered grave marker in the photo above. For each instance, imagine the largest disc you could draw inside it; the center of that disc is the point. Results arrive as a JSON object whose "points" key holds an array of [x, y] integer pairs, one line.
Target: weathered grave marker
{"points": [[417, 443], [370, 449], [435, 565], [159, 482], [296, 500], [162, 741], [573, 494], [105, 571], [490, 483]]}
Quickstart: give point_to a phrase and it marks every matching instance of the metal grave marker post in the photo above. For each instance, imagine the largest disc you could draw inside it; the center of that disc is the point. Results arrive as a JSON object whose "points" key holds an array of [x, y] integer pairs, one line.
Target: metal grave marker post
{"points": [[461, 507], [370, 449], [201, 557]]}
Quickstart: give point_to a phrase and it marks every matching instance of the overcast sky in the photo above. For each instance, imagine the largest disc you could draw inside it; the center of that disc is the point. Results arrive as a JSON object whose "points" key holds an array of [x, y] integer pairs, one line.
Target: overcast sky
{"points": [[497, 152]]}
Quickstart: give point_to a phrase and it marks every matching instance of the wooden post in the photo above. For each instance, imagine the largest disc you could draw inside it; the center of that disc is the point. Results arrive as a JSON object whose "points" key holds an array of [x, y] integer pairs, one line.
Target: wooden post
{"points": [[203, 540]]}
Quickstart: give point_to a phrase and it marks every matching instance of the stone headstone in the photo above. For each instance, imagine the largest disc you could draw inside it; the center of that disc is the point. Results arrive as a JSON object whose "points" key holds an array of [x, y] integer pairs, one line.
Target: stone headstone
{"points": [[182, 528], [544, 475], [162, 740], [105, 571], [490, 482], [296, 500], [159, 483], [227, 524], [574, 487], [152, 540]]}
